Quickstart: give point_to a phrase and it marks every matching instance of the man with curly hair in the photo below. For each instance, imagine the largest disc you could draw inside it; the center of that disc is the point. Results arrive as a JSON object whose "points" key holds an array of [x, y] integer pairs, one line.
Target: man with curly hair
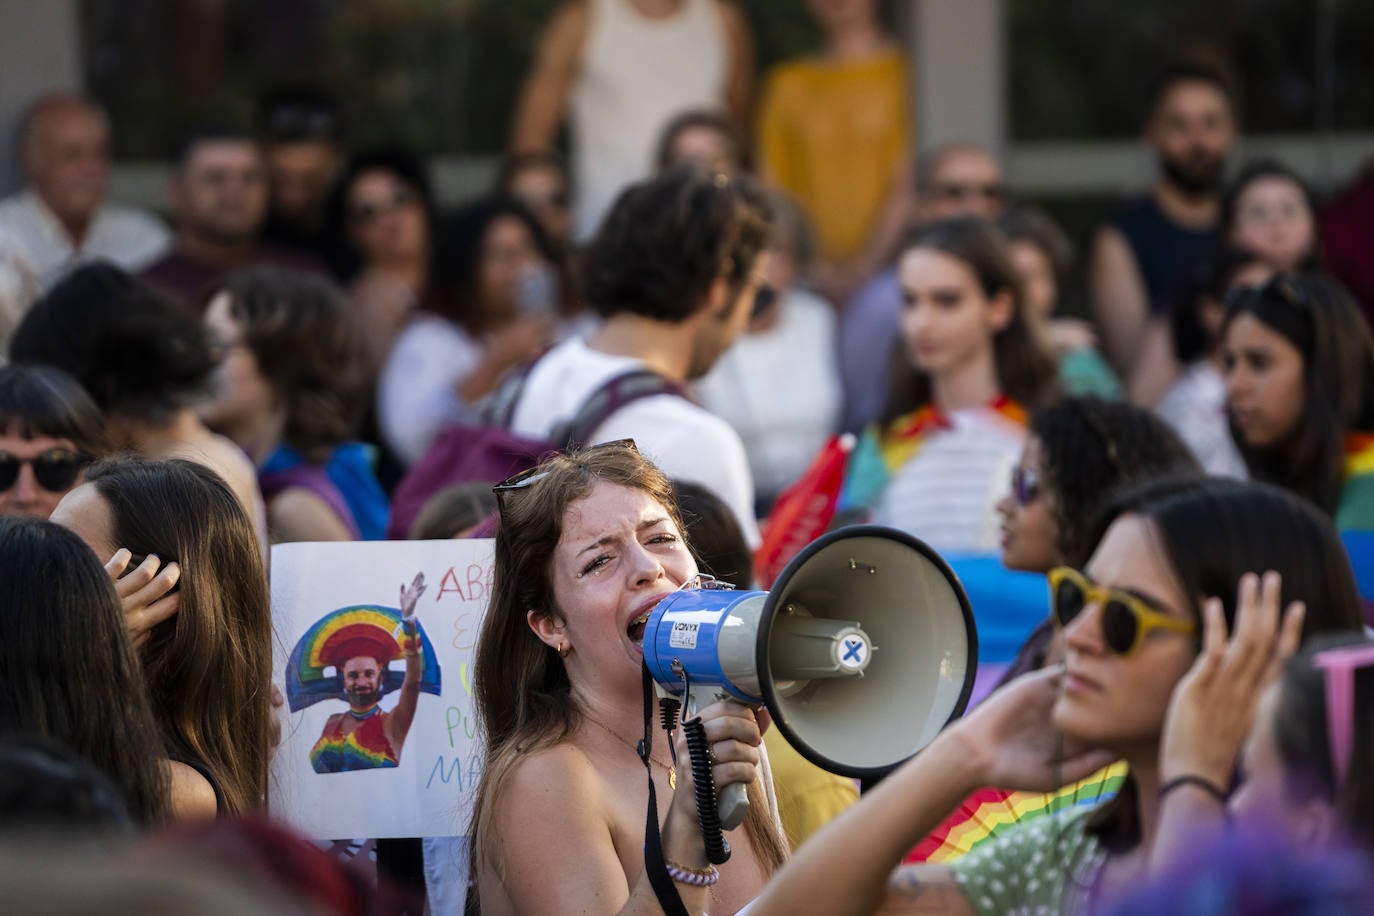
{"points": [[674, 272]]}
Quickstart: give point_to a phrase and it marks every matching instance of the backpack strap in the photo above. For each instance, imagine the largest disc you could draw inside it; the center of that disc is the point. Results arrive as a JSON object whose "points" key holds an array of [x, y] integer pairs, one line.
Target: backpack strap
{"points": [[616, 393], [498, 408]]}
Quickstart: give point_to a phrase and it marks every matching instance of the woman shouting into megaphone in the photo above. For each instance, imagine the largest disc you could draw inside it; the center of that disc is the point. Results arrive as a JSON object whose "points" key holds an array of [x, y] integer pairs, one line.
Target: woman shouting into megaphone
{"points": [[587, 545]]}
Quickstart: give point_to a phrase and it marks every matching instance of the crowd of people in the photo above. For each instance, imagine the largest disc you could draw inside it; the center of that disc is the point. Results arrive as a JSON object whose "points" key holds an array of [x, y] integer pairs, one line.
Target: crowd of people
{"points": [[716, 294]]}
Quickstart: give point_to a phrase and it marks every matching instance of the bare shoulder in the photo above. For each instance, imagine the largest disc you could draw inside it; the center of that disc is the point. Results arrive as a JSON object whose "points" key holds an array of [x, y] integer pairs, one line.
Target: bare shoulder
{"points": [[192, 796], [568, 24], [732, 16], [296, 514], [562, 768]]}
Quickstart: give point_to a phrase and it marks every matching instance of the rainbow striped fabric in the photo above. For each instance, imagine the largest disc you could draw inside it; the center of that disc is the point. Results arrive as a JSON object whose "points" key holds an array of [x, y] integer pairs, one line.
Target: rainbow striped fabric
{"points": [[365, 748], [987, 812]]}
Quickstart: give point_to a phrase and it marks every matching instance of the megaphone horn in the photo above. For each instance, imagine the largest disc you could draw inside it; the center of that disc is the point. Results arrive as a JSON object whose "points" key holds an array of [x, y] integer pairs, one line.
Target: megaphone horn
{"points": [[864, 626]]}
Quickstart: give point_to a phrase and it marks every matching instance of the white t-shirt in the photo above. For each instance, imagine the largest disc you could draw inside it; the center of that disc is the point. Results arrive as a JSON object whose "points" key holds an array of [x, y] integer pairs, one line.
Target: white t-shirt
{"points": [[125, 236], [780, 390], [417, 391], [684, 440], [947, 494], [1195, 406]]}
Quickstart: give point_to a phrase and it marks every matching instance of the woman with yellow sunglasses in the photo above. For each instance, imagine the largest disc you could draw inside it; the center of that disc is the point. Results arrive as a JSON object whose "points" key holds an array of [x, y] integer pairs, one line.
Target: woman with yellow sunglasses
{"points": [[1131, 622]]}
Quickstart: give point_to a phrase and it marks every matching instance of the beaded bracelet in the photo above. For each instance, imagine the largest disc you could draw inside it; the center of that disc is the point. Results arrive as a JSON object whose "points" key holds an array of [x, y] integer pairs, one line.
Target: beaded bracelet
{"points": [[697, 877]]}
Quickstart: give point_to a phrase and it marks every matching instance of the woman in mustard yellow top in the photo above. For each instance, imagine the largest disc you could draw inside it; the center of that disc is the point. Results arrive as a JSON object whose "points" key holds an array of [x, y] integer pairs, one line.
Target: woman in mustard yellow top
{"points": [[835, 133]]}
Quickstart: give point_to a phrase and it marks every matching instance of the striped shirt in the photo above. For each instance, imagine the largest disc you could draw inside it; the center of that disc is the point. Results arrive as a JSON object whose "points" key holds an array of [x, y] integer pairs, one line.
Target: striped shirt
{"points": [[947, 494]]}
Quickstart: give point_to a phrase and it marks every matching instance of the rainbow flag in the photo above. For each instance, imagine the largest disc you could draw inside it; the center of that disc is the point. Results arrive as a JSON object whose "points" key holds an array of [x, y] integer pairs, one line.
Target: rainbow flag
{"points": [[988, 812]]}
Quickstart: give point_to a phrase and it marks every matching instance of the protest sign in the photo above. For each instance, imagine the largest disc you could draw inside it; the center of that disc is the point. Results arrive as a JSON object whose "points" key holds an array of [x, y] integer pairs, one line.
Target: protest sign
{"points": [[350, 764]]}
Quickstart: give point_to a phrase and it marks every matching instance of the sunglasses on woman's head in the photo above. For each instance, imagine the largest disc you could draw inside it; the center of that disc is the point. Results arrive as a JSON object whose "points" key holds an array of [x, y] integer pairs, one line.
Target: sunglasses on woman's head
{"points": [[1126, 619], [1025, 485], [56, 470], [531, 476]]}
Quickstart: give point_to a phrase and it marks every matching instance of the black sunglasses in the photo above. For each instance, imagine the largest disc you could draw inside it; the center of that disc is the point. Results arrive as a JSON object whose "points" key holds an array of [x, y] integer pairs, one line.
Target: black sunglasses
{"points": [[56, 470], [1284, 287], [1025, 485]]}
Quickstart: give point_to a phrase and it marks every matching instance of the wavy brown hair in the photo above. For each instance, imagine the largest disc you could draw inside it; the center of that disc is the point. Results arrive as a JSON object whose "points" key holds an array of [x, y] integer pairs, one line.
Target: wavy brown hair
{"points": [[209, 667], [523, 695], [1025, 372], [297, 327]]}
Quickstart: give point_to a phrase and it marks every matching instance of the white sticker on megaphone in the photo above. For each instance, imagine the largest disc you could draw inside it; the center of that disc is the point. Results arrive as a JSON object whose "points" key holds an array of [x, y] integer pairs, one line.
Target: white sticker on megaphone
{"points": [[683, 635]]}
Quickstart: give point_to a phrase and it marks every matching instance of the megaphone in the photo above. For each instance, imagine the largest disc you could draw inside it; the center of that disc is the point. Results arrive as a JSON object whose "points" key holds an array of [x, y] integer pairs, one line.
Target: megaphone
{"points": [[862, 652]]}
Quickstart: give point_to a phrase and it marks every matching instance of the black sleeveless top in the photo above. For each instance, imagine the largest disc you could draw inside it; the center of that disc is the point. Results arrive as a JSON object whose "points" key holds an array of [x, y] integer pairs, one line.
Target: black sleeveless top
{"points": [[221, 809], [1160, 245]]}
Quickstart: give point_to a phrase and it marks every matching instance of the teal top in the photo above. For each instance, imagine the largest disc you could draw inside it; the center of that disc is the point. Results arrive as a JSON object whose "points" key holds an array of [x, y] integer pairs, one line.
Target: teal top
{"points": [[1047, 865], [1083, 371], [1355, 507]]}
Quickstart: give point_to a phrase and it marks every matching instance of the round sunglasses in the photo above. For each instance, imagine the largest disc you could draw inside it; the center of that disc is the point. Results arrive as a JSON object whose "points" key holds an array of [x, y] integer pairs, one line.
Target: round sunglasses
{"points": [[1025, 485], [1126, 619], [56, 469]]}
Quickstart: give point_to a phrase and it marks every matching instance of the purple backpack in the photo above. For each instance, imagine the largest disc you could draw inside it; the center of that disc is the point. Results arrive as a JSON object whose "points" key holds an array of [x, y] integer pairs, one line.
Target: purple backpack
{"points": [[490, 452]]}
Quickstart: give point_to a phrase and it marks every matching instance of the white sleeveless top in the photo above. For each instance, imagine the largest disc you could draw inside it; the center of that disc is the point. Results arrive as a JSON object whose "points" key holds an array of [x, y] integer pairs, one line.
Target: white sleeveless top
{"points": [[637, 73]]}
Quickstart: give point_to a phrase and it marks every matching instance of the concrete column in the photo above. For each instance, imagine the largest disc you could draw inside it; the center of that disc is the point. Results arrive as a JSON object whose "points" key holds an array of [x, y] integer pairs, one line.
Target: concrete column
{"points": [[40, 49], [959, 76]]}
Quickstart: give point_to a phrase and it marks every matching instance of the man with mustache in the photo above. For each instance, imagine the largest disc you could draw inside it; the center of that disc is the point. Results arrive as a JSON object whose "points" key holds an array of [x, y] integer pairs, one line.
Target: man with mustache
{"points": [[1191, 128]]}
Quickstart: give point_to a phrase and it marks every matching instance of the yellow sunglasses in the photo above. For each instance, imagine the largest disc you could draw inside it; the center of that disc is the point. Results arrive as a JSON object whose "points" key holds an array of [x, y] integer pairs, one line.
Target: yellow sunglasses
{"points": [[1126, 619]]}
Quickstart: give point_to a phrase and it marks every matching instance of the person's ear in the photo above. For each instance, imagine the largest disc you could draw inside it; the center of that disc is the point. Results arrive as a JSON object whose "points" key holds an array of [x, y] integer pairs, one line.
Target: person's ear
{"points": [[720, 302], [1001, 310], [1316, 824], [547, 627]]}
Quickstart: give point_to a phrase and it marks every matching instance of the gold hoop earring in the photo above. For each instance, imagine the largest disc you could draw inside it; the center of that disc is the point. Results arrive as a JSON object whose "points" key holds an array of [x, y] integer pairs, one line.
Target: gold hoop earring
{"points": [[564, 650]]}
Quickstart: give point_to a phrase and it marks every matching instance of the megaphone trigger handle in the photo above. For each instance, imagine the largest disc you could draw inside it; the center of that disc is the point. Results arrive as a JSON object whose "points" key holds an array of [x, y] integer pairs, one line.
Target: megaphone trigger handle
{"points": [[699, 754]]}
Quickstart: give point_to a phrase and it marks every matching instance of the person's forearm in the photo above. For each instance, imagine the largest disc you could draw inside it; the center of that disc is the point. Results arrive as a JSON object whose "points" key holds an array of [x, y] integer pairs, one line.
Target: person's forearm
{"points": [[1185, 814], [845, 867]]}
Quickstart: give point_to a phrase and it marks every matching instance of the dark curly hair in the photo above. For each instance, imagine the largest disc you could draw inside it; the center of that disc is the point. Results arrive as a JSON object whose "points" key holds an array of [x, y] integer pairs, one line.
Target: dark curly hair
{"points": [[405, 166], [1090, 448], [666, 240], [1025, 372], [297, 327], [135, 352]]}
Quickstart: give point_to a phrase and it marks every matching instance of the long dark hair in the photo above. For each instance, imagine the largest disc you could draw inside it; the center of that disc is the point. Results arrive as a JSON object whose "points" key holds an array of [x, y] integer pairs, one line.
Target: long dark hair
{"points": [[1213, 531], [208, 668], [1304, 743], [1318, 317], [455, 287], [69, 670], [1025, 372], [405, 166]]}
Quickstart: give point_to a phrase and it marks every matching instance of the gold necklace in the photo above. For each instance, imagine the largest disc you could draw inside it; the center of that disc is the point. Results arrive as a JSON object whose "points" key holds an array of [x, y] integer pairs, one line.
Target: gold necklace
{"points": [[672, 773]]}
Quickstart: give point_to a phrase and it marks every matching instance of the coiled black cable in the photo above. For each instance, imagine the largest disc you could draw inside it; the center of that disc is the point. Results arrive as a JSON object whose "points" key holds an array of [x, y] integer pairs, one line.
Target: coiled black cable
{"points": [[708, 815]]}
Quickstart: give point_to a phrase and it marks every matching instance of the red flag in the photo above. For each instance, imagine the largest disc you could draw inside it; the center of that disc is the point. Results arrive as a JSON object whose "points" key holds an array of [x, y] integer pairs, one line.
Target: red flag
{"points": [[803, 511]]}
